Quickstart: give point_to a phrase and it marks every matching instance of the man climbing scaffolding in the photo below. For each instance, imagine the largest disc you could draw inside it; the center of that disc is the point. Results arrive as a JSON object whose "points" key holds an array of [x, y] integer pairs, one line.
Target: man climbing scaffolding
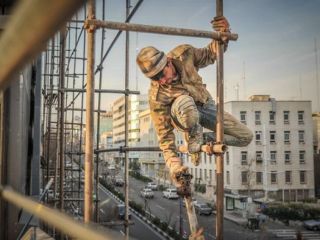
{"points": [[179, 99]]}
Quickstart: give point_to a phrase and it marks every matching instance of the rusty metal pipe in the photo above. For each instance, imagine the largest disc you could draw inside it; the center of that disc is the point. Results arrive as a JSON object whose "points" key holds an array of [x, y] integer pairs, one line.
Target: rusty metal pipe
{"points": [[161, 30], [53, 217], [219, 130], [44, 18], [88, 185]]}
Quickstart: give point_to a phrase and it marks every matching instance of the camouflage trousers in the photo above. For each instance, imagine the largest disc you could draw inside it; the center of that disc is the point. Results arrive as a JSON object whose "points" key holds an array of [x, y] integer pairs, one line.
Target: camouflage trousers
{"points": [[189, 117], [235, 133]]}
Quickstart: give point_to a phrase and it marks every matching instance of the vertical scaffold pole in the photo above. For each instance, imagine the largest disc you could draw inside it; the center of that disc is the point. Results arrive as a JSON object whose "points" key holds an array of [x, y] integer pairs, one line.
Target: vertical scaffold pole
{"points": [[126, 169], [61, 124], [219, 130], [88, 186]]}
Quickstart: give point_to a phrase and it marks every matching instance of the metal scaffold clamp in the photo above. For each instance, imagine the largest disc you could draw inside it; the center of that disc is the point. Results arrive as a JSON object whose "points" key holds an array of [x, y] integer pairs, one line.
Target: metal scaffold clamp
{"points": [[90, 25], [210, 148]]}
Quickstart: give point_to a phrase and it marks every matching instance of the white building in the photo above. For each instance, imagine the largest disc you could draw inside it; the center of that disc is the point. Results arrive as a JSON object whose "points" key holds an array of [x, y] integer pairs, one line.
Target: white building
{"points": [[280, 158], [151, 162], [137, 103]]}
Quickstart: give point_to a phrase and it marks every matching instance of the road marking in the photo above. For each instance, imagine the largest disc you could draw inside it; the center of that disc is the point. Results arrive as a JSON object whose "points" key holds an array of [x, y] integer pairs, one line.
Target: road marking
{"points": [[104, 202], [101, 210], [160, 206], [122, 233], [210, 235]]}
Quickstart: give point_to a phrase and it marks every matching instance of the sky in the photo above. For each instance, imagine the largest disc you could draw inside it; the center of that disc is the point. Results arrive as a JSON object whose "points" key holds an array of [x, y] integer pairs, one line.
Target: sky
{"points": [[275, 54]]}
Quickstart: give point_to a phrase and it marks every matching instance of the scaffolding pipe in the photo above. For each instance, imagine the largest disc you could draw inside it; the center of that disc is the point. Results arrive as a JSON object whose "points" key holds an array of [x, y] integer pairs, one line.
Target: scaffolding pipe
{"points": [[102, 91], [162, 30], [53, 217], [97, 217], [88, 186], [61, 115], [126, 131], [14, 52], [219, 129]]}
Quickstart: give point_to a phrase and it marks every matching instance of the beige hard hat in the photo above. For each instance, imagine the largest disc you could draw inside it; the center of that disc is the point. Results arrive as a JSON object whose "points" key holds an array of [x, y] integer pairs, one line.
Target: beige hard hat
{"points": [[151, 61]]}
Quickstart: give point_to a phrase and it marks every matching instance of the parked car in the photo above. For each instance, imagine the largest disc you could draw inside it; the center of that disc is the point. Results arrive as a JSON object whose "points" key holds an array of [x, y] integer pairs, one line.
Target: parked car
{"points": [[121, 211], [194, 201], [170, 193], [146, 193], [312, 224], [118, 182], [202, 208], [152, 186]]}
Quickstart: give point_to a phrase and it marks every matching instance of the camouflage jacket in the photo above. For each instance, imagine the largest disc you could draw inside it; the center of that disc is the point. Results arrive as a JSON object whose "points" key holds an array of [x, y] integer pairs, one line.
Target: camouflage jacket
{"points": [[187, 61]]}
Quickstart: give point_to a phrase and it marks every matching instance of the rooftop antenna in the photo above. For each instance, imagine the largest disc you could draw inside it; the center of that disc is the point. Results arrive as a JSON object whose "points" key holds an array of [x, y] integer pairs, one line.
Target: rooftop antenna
{"points": [[236, 88], [300, 87], [244, 80], [317, 74], [137, 50]]}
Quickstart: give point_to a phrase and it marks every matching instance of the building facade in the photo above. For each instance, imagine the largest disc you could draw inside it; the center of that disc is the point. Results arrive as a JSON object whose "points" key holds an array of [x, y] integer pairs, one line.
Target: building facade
{"points": [[278, 163], [152, 163], [137, 103]]}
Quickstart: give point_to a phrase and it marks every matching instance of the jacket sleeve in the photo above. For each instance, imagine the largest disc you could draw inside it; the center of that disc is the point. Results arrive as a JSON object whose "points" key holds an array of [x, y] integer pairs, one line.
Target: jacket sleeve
{"points": [[203, 57], [160, 115]]}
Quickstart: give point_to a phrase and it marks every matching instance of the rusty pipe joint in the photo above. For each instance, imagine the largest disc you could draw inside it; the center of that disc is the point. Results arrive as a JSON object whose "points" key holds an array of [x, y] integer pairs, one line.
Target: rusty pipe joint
{"points": [[89, 24], [214, 148]]}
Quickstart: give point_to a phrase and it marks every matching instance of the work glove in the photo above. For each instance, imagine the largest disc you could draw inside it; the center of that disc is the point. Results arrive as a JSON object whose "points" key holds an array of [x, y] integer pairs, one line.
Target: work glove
{"points": [[220, 24]]}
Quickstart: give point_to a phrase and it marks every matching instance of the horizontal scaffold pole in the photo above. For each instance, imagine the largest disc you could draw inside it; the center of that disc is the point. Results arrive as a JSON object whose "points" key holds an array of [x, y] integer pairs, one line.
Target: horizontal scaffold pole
{"points": [[162, 30], [22, 40], [55, 218]]}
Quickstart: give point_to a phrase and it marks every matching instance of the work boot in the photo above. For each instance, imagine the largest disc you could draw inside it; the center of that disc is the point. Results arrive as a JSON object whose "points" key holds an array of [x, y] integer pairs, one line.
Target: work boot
{"points": [[182, 180], [194, 139], [175, 172]]}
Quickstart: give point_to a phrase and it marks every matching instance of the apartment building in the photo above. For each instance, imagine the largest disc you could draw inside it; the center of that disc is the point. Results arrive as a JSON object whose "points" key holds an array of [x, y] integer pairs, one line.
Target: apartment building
{"points": [[152, 163], [136, 104], [279, 160]]}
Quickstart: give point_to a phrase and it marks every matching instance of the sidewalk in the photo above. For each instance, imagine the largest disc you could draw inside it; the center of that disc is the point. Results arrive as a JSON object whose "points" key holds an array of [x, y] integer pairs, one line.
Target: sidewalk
{"points": [[232, 216]]}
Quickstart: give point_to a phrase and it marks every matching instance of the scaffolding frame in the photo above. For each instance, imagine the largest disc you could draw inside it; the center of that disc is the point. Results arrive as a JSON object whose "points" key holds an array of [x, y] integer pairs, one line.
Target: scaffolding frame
{"points": [[15, 58]]}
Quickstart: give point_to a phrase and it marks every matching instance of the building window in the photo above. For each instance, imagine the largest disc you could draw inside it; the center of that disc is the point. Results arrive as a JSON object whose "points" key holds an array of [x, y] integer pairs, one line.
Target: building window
{"points": [[227, 157], [302, 157], [244, 158], [272, 137], [228, 177], [287, 157], [273, 157], [288, 177], [205, 158], [191, 171], [286, 117], [210, 159], [273, 177], [210, 176], [200, 174], [258, 137], [258, 177], [244, 177], [205, 175], [301, 137], [303, 177], [272, 119], [286, 137], [258, 157], [243, 117], [300, 117], [257, 117]]}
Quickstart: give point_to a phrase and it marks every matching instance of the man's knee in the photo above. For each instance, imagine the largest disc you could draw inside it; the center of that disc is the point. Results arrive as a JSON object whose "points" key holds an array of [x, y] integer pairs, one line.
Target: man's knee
{"points": [[246, 138], [184, 112]]}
